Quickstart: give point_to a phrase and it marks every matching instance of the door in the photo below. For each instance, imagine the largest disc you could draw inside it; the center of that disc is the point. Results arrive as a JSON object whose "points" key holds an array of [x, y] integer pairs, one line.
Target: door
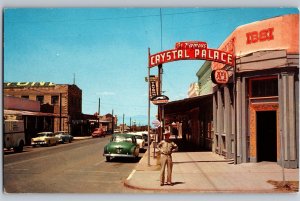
{"points": [[266, 136]]}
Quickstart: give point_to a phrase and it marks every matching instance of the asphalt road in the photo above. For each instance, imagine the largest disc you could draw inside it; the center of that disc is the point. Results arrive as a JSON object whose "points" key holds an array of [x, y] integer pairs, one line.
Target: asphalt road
{"points": [[77, 167]]}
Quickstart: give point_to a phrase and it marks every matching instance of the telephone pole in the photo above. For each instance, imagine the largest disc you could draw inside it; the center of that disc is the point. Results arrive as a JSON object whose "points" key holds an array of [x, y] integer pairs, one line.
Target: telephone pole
{"points": [[99, 107]]}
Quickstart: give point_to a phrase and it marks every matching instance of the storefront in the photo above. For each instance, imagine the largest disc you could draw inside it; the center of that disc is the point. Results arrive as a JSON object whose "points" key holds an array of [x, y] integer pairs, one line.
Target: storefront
{"points": [[260, 121], [192, 120]]}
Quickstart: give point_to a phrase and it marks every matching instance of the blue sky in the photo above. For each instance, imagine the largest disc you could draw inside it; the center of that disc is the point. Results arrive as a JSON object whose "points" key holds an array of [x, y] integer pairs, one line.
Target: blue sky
{"points": [[107, 49]]}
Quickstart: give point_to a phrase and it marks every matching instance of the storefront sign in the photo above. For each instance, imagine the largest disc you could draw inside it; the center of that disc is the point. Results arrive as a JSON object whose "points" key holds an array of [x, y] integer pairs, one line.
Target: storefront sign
{"points": [[153, 85], [191, 45], [219, 76], [160, 100], [191, 54], [28, 84], [156, 123]]}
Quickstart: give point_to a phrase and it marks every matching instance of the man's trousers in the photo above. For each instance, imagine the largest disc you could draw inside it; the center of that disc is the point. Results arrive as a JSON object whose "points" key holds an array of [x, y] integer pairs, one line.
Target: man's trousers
{"points": [[166, 160]]}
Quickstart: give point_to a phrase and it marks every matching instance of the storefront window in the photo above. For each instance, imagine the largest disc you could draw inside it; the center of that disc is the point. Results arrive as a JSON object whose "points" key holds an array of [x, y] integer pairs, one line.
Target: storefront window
{"points": [[264, 87]]}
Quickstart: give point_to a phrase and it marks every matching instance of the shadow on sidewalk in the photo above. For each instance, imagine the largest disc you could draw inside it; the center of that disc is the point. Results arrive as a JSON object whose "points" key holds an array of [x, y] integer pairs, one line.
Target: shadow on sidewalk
{"points": [[186, 146]]}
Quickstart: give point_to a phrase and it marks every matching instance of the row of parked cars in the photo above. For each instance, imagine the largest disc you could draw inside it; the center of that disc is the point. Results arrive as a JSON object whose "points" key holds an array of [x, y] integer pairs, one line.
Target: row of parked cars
{"points": [[50, 138]]}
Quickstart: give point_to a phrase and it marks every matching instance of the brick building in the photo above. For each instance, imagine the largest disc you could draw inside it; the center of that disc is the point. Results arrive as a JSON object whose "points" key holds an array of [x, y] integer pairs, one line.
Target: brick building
{"points": [[61, 99]]}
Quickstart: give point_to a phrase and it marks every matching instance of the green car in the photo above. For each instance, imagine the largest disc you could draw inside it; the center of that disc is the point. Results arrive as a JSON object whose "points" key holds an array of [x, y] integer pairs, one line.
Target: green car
{"points": [[121, 145]]}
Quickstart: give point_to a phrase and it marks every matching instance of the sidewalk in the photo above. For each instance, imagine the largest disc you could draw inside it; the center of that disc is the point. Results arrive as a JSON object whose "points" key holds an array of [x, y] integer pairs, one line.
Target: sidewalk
{"points": [[208, 172]]}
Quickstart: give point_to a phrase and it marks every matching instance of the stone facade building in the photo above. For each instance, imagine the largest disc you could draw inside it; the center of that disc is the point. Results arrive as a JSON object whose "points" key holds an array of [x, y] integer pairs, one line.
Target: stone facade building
{"points": [[256, 114]]}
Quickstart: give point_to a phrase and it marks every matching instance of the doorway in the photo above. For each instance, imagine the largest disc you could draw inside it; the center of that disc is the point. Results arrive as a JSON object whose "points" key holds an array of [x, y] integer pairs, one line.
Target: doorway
{"points": [[266, 136]]}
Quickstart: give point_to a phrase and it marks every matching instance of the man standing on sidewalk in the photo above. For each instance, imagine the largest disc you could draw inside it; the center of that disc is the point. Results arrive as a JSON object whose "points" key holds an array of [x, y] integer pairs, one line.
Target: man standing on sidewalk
{"points": [[166, 147]]}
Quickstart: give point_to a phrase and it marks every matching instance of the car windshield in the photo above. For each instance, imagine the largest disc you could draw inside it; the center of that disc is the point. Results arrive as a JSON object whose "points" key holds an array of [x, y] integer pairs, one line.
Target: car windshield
{"points": [[42, 134], [138, 137], [121, 139]]}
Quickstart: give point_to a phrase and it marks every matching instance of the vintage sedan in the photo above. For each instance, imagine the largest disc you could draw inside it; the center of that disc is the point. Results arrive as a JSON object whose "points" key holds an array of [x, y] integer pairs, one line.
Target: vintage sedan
{"points": [[64, 136], [44, 138], [98, 132], [122, 145], [139, 139]]}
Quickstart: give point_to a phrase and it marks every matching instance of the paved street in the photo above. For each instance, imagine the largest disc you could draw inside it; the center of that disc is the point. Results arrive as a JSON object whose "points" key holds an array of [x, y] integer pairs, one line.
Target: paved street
{"points": [[78, 167]]}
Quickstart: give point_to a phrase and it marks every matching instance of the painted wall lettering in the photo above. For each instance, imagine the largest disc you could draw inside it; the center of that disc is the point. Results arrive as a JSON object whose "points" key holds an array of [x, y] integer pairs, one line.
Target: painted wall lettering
{"points": [[29, 84], [260, 36]]}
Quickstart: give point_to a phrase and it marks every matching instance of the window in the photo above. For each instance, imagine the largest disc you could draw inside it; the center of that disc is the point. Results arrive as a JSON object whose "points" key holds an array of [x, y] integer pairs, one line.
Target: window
{"points": [[24, 96], [40, 98], [54, 100], [264, 87]]}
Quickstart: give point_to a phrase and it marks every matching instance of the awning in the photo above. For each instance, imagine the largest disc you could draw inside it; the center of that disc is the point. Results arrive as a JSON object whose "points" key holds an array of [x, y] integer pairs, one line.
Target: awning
{"points": [[186, 104], [30, 113]]}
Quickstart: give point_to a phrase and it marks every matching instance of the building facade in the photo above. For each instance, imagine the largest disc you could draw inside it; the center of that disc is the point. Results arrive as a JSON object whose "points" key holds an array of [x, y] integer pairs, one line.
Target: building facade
{"points": [[193, 90], [204, 79], [66, 100], [256, 114]]}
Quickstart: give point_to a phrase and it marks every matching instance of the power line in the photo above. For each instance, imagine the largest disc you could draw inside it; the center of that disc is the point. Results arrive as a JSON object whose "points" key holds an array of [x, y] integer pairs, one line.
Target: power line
{"points": [[125, 17], [161, 29]]}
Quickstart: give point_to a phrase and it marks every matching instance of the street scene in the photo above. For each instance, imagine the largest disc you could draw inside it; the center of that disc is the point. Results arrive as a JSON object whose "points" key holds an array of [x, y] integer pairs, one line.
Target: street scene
{"points": [[150, 101], [78, 167]]}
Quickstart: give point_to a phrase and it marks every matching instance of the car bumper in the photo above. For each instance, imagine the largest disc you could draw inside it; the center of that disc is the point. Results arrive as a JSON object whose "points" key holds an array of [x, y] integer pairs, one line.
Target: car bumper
{"points": [[120, 155], [38, 143]]}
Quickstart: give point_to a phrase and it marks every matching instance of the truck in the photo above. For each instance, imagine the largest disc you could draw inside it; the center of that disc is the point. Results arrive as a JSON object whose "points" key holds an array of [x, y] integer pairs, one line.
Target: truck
{"points": [[14, 135]]}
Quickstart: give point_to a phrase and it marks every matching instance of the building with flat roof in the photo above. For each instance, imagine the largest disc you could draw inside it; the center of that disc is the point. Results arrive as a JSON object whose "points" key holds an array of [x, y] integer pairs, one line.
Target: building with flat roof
{"points": [[259, 121], [65, 101]]}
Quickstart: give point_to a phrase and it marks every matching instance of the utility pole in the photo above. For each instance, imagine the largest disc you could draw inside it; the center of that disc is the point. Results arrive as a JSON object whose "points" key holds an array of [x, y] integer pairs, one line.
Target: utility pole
{"points": [[99, 107], [160, 108], [123, 123], [130, 124], [60, 110], [149, 139]]}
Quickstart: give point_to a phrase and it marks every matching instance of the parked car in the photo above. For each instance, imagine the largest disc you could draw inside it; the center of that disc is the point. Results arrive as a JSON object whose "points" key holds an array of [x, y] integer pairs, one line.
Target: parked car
{"points": [[122, 145], [98, 132], [139, 139], [44, 138], [64, 136], [145, 136]]}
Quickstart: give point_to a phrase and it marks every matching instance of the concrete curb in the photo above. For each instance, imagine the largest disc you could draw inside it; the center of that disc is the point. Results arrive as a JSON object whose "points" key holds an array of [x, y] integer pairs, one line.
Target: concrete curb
{"points": [[128, 184]]}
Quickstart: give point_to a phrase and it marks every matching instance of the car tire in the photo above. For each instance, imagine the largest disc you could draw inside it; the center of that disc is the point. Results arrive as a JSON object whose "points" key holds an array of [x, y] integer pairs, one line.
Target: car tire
{"points": [[108, 159], [136, 158], [20, 147], [70, 140]]}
